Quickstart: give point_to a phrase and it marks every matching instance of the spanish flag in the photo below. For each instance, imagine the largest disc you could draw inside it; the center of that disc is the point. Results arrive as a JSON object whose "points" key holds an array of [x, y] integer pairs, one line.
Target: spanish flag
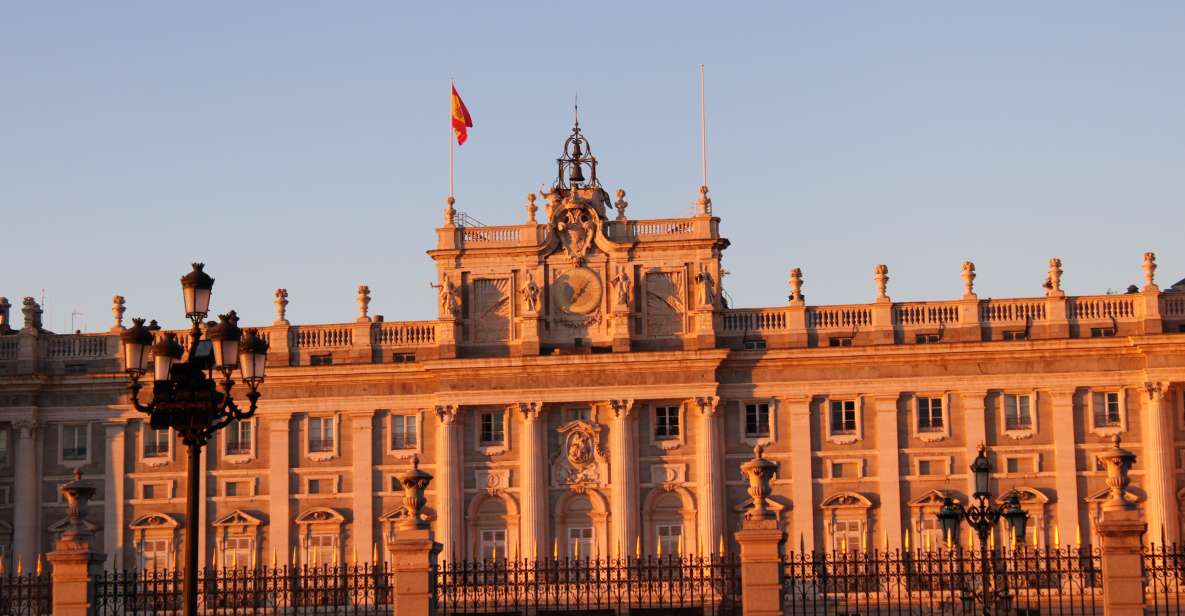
{"points": [[461, 120]]}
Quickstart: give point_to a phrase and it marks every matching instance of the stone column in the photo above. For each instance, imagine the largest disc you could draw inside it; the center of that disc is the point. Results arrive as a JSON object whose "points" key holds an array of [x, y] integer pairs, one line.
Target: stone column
{"points": [[74, 560], [362, 427], [1120, 528], [801, 472], [449, 482], [279, 484], [975, 427], [623, 465], [889, 449], [709, 473], [1159, 466], [1065, 462], [533, 482], [113, 491], [25, 534]]}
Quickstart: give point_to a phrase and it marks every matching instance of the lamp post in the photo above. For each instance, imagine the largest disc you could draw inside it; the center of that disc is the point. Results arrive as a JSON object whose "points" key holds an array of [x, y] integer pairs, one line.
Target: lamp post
{"points": [[193, 397], [982, 517]]}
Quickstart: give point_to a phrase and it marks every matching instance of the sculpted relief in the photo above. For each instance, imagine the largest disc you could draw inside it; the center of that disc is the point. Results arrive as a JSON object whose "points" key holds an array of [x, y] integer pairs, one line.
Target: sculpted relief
{"points": [[581, 461], [491, 309], [664, 303]]}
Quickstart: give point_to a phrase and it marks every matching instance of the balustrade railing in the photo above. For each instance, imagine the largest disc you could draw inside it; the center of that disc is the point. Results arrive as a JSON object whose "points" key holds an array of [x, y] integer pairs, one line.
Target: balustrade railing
{"points": [[76, 346], [8, 348], [1011, 310], [407, 333], [1172, 305], [755, 320], [838, 317], [925, 313], [478, 235], [322, 336], [1101, 308]]}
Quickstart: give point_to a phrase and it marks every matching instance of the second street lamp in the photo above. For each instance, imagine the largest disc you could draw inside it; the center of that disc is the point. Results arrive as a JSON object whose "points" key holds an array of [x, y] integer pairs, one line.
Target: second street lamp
{"points": [[187, 395]]}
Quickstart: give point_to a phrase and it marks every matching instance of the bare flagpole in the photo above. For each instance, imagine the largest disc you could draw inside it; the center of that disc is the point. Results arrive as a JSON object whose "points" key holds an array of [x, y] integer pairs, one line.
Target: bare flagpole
{"points": [[703, 128]]}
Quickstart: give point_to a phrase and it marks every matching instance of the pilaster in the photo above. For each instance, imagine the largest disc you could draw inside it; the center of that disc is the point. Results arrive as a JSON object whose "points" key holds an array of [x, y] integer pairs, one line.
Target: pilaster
{"points": [[1159, 466], [975, 427], [889, 448], [279, 485], [26, 535], [620, 325], [113, 491], [623, 465], [802, 471], [533, 489], [1065, 462], [709, 472], [446, 339], [529, 344], [362, 427], [449, 482]]}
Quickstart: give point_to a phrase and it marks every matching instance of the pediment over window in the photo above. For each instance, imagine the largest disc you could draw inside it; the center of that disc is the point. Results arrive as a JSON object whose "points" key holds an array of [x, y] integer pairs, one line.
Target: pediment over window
{"points": [[1030, 496], [153, 521], [320, 515], [238, 517], [846, 500], [933, 498]]}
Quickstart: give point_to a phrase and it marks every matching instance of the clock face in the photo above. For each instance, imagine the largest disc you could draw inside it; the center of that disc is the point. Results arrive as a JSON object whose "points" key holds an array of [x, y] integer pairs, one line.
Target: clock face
{"points": [[577, 291]]}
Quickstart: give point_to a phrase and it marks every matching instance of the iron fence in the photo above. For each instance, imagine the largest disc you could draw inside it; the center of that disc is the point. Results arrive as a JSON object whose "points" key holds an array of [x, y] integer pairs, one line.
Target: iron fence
{"points": [[29, 594], [1164, 579], [1021, 581], [668, 585], [296, 590]]}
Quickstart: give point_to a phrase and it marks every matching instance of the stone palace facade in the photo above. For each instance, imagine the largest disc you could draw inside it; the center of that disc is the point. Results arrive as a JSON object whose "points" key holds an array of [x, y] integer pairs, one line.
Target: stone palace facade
{"points": [[586, 389]]}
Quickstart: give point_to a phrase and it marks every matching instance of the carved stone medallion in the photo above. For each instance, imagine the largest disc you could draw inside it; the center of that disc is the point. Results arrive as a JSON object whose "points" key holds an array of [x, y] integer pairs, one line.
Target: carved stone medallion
{"points": [[580, 462]]}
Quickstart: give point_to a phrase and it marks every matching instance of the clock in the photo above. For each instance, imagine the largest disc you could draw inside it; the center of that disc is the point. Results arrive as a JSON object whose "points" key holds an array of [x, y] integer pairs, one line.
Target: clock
{"points": [[577, 291]]}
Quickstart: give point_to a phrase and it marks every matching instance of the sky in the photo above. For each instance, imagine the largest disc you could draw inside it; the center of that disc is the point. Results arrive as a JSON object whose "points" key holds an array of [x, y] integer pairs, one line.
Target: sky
{"points": [[304, 145]]}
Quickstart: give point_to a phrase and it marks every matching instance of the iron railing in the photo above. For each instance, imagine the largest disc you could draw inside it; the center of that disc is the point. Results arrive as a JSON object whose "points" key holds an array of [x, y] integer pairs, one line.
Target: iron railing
{"points": [[28, 594], [1023, 580], [295, 590], [707, 585], [1164, 579]]}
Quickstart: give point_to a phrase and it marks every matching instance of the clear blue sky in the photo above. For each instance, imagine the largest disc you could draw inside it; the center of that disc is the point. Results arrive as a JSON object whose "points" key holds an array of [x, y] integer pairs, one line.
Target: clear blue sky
{"points": [[303, 145]]}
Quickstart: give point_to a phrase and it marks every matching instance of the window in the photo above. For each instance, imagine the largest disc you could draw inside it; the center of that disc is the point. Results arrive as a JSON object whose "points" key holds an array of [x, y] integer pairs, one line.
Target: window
{"points": [[237, 551], [322, 547], [154, 491], [846, 535], [930, 533], [843, 417], [580, 541], [1018, 413], [1102, 332], [926, 467], [754, 345], [930, 415], [666, 422], [154, 553], [927, 338], [324, 359], [4, 446], [1016, 335], [577, 414], [492, 428], [321, 485], [403, 358], [156, 443], [840, 341], [1012, 465], [238, 437], [845, 470], [321, 434], [493, 543], [1106, 409], [1020, 464], [757, 420], [403, 432], [238, 488], [670, 538], [74, 442]]}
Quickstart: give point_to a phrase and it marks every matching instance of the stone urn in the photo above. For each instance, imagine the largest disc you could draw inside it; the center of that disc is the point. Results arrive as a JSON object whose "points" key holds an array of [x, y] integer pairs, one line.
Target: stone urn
{"points": [[760, 473], [1119, 461], [414, 482]]}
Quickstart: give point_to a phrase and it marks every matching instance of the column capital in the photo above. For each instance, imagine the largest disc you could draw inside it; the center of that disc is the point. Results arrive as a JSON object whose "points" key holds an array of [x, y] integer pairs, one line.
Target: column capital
{"points": [[27, 428], [1156, 389], [622, 409], [707, 405], [531, 411], [446, 413], [1062, 396], [886, 403]]}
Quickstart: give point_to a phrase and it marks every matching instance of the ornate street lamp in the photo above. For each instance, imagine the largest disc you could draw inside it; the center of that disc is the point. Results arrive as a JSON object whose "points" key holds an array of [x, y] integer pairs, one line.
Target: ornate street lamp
{"points": [[982, 517], [188, 396]]}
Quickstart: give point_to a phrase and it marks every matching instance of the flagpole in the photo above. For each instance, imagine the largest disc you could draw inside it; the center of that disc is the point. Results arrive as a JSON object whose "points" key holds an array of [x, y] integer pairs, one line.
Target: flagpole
{"points": [[450, 138], [703, 128]]}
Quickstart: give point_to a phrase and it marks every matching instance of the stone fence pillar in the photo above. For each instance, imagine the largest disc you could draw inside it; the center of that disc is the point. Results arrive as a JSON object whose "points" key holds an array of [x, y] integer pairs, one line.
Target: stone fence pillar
{"points": [[761, 541], [413, 550], [1121, 528], [74, 561]]}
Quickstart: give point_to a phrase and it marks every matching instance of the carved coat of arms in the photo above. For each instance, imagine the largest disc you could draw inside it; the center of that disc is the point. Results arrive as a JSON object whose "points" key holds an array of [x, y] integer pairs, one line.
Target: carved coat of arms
{"points": [[581, 461], [576, 226]]}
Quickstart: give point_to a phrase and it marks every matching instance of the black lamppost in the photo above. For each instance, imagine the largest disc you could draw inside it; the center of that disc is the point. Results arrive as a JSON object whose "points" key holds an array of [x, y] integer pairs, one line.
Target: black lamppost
{"points": [[982, 517], [185, 394]]}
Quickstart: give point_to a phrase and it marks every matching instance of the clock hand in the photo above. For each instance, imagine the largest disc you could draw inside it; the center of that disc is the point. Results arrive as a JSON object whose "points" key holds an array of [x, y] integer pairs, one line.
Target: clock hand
{"points": [[577, 293]]}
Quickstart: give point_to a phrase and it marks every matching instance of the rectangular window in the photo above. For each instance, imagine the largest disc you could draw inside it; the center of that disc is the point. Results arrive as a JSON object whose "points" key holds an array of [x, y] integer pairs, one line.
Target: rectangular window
{"points": [[154, 554], [840, 341], [1106, 409], [493, 543], [492, 428], [154, 491], [930, 415], [843, 417], [325, 359], [580, 542], [578, 414], [670, 538], [321, 548], [666, 422], [321, 437], [927, 338], [1020, 464], [1016, 335], [930, 533], [73, 442], [4, 446], [1018, 414], [845, 470], [925, 467], [403, 358], [757, 420], [238, 488], [754, 345], [846, 535], [238, 437], [237, 551], [156, 443], [321, 485], [1102, 332], [403, 432]]}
